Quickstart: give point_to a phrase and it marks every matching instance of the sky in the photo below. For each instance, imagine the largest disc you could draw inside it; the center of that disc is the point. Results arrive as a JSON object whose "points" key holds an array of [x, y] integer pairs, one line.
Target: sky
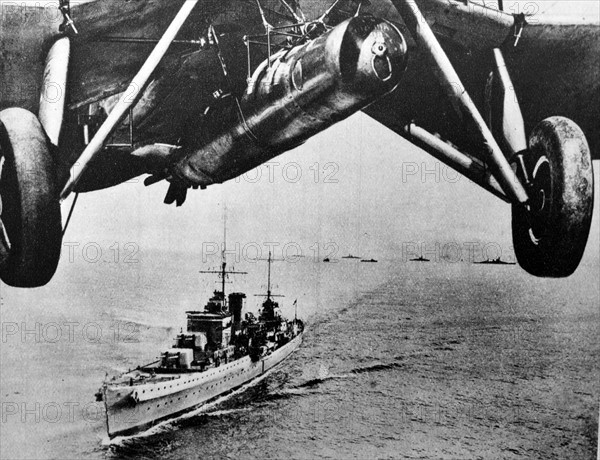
{"points": [[356, 185]]}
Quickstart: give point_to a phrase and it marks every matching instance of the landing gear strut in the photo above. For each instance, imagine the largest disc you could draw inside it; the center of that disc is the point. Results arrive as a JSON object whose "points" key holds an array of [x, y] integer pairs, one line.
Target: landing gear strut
{"points": [[551, 186]]}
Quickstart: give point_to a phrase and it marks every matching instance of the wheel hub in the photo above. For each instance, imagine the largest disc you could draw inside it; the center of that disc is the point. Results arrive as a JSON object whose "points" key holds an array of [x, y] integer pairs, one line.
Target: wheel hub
{"points": [[540, 193]]}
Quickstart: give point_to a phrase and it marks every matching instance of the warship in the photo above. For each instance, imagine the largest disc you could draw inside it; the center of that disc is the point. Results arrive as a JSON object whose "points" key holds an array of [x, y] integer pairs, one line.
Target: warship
{"points": [[219, 352], [496, 261], [419, 259]]}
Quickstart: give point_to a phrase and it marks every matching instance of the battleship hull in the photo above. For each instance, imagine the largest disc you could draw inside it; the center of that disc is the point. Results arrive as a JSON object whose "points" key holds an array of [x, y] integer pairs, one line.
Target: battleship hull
{"points": [[135, 408]]}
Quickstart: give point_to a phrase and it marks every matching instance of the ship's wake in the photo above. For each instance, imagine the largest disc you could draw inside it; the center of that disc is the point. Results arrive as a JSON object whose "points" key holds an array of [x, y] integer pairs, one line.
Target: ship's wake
{"points": [[312, 383], [318, 380], [376, 368]]}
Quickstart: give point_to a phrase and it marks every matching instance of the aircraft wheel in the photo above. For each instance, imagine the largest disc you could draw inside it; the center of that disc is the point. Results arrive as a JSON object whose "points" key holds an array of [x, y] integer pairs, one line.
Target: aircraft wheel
{"points": [[550, 237], [31, 233]]}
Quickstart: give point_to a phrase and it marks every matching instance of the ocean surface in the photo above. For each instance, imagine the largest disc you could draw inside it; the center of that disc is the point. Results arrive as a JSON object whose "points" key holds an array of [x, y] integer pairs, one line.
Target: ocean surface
{"points": [[400, 360]]}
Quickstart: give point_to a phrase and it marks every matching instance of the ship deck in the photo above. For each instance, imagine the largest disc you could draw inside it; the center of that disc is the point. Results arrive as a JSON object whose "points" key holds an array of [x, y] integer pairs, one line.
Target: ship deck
{"points": [[133, 408]]}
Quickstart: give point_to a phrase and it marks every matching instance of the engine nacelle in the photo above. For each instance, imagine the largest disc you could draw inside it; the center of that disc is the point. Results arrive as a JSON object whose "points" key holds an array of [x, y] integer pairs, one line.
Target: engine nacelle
{"points": [[298, 93]]}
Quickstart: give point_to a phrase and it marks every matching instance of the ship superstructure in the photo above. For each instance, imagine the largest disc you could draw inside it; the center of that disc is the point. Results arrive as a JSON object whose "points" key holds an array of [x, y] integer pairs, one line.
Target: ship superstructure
{"points": [[221, 349]]}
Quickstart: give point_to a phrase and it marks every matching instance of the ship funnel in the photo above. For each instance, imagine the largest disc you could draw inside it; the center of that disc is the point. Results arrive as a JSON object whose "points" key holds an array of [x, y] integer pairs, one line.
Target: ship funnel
{"points": [[236, 304]]}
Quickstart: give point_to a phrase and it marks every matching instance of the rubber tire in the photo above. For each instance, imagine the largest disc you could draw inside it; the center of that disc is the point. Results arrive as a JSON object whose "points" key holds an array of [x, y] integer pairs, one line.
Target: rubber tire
{"points": [[30, 204], [549, 240]]}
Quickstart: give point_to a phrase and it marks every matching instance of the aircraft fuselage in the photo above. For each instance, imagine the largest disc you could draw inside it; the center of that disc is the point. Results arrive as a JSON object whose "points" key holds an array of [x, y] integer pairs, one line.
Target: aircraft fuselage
{"points": [[298, 93]]}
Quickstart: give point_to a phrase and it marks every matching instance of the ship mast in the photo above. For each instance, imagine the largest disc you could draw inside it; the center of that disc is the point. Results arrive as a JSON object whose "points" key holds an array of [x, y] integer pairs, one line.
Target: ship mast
{"points": [[223, 272], [269, 294], [269, 277], [224, 251]]}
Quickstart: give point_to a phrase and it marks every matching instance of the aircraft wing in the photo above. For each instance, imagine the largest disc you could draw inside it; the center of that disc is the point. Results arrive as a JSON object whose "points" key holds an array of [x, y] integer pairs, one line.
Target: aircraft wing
{"points": [[114, 39], [99, 67], [555, 67]]}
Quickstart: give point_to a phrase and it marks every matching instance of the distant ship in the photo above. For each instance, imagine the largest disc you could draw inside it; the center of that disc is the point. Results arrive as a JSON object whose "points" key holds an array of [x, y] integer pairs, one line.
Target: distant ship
{"points": [[368, 260], [219, 352], [495, 261], [326, 259], [420, 259], [350, 256]]}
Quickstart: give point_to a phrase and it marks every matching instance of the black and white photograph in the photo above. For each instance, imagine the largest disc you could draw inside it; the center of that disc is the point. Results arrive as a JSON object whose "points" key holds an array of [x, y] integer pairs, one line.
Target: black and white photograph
{"points": [[299, 229]]}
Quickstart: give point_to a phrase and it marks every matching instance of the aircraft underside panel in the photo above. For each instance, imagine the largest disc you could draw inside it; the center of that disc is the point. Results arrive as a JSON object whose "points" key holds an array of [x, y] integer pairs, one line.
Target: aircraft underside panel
{"points": [[555, 68]]}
